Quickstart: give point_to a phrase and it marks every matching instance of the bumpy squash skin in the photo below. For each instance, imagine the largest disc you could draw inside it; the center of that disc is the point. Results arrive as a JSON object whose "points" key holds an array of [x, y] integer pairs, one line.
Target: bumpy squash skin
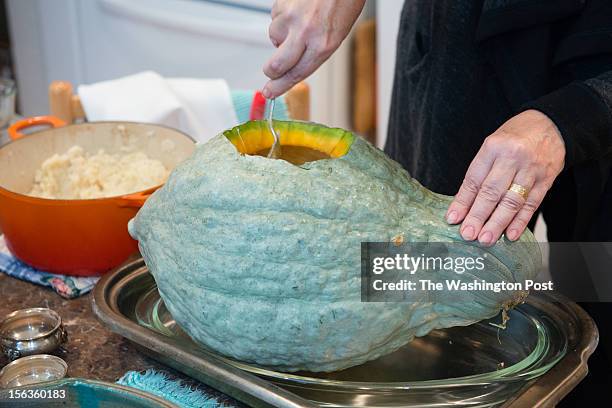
{"points": [[259, 259]]}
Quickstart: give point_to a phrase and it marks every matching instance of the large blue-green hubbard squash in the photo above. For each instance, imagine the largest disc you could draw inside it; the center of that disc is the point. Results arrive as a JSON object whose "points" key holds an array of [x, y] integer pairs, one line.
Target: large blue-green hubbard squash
{"points": [[259, 259]]}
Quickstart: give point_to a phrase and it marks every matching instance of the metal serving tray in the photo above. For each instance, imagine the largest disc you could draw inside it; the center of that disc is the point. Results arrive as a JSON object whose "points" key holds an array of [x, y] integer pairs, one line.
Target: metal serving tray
{"points": [[535, 362]]}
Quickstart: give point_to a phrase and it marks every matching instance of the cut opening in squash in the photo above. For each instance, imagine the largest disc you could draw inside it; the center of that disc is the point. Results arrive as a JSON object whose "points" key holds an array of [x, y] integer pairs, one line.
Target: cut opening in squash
{"points": [[301, 142]]}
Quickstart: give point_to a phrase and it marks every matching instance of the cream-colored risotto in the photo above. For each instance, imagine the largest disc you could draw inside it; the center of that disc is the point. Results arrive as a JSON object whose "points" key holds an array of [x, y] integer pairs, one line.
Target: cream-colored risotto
{"points": [[76, 174]]}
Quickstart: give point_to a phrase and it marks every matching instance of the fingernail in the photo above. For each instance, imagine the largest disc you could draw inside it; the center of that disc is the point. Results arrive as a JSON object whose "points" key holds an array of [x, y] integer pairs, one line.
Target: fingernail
{"points": [[486, 238], [512, 235], [266, 93], [451, 217], [468, 233]]}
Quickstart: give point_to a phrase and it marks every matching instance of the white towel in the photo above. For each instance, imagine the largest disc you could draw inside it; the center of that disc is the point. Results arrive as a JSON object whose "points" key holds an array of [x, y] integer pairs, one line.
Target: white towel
{"points": [[202, 108]]}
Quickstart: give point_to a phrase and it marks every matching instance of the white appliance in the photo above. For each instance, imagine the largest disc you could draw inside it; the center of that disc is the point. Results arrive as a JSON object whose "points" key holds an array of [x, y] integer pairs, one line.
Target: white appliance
{"points": [[94, 40]]}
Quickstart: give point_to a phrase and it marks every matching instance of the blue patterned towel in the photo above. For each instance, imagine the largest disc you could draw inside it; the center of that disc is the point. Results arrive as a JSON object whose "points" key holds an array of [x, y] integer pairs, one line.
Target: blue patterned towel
{"points": [[175, 391], [68, 287]]}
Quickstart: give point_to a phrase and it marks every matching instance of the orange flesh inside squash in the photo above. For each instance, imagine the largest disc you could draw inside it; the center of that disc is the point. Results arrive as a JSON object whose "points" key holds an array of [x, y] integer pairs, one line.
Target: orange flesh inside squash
{"points": [[301, 142]]}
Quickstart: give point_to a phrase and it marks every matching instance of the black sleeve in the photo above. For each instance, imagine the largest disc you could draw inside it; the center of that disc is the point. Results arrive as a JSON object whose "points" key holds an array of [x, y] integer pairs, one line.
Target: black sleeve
{"points": [[582, 111]]}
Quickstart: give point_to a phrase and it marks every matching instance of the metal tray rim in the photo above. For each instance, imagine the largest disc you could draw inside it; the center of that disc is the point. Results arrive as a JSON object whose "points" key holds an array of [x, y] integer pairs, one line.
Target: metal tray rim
{"points": [[568, 371]]}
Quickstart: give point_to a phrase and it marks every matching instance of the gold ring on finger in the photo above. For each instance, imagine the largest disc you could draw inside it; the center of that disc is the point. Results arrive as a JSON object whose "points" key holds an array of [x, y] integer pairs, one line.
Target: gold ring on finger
{"points": [[520, 190]]}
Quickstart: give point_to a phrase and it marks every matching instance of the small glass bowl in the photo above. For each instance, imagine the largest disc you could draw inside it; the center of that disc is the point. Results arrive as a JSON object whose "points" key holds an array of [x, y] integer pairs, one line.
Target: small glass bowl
{"points": [[30, 370], [31, 331]]}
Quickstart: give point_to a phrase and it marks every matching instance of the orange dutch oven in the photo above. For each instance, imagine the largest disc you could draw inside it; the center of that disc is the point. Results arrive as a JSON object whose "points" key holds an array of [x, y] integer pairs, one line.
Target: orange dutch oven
{"points": [[83, 236]]}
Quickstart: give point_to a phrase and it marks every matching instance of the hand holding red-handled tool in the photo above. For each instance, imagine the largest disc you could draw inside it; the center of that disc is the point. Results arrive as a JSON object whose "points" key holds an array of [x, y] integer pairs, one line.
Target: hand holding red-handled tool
{"points": [[306, 33]]}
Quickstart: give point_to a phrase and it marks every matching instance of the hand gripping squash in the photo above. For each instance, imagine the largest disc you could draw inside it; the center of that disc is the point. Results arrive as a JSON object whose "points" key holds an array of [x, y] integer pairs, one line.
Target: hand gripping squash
{"points": [[259, 259]]}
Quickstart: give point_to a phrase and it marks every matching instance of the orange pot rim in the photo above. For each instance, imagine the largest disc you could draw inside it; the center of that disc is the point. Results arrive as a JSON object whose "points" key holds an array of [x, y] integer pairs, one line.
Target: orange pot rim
{"points": [[116, 122]]}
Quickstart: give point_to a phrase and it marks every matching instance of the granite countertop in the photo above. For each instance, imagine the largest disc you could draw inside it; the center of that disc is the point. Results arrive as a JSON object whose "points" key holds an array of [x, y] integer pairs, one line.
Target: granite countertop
{"points": [[91, 351]]}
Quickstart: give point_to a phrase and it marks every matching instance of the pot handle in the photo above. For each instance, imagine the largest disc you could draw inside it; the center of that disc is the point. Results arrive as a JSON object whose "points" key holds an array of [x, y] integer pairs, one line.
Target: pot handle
{"points": [[14, 130], [135, 200]]}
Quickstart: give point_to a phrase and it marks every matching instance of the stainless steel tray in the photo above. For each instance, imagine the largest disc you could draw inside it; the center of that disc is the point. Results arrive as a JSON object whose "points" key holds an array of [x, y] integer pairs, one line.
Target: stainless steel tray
{"points": [[535, 362]]}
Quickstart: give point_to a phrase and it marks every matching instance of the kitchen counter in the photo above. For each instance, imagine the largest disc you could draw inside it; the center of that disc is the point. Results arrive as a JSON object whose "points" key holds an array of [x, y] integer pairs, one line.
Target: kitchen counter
{"points": [[91, 351]]}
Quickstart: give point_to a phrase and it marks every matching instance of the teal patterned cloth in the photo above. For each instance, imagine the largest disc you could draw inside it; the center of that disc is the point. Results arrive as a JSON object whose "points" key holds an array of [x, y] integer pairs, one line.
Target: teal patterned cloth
{"points": [[68, 287], [158, 383]]}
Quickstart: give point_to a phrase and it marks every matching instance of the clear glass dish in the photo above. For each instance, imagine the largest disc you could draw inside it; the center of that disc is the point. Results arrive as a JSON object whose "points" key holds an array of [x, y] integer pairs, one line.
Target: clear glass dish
{"points": [[476, 366]]}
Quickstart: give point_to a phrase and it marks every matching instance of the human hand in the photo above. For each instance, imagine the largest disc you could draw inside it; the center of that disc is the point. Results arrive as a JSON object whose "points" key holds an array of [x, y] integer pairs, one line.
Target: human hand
{"points": [[527, 150], [306, 33]]}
